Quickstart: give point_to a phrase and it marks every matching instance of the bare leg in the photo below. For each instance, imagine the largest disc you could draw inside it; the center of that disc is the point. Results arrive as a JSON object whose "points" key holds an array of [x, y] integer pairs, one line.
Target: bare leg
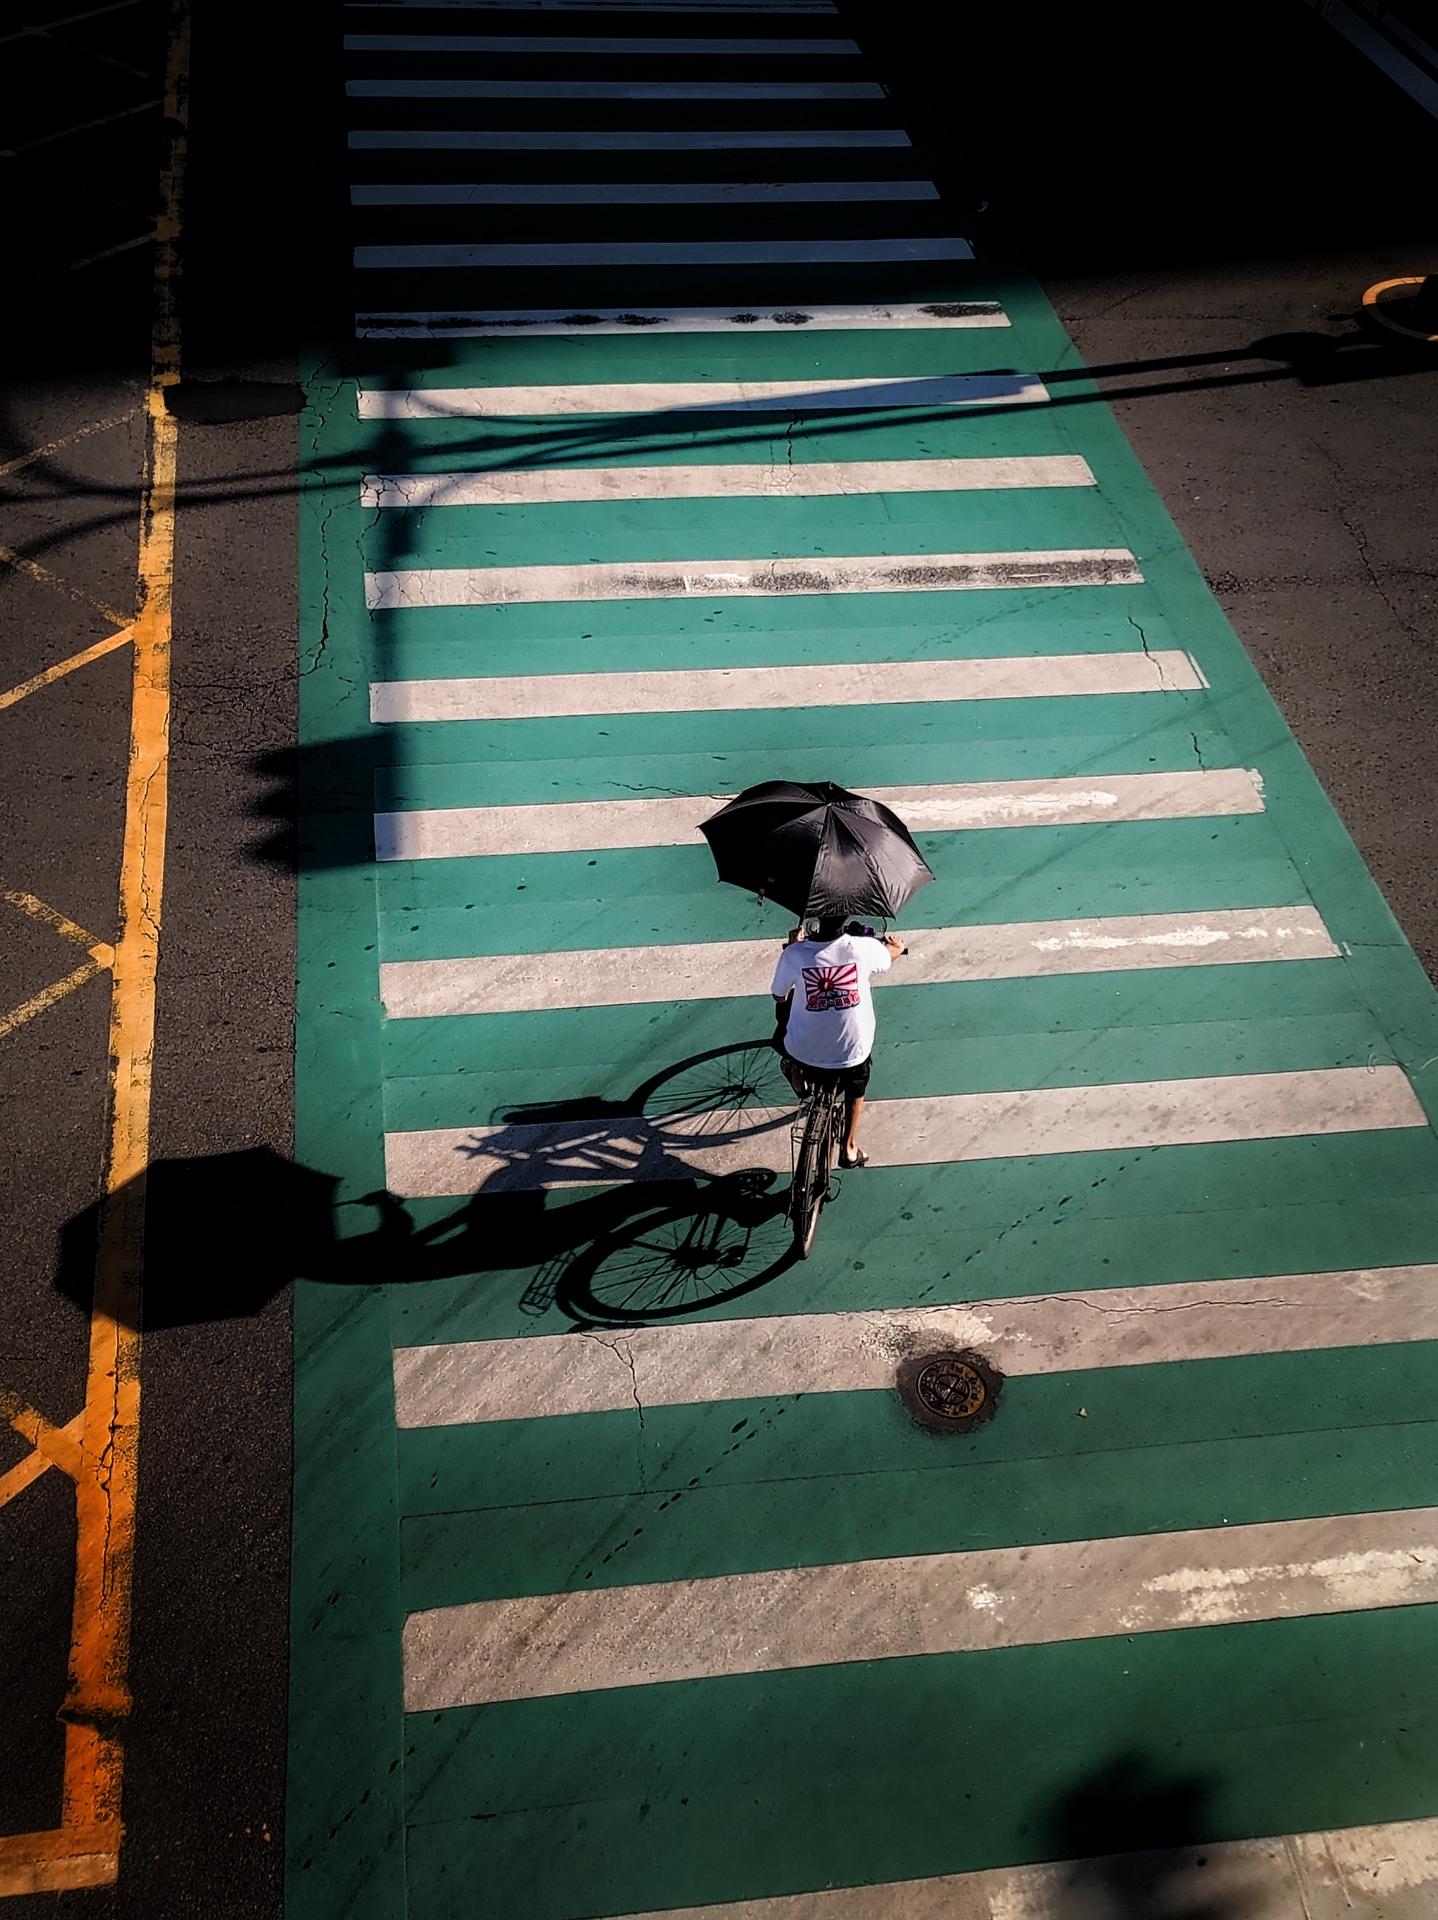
{"points": [[851, 1138]]}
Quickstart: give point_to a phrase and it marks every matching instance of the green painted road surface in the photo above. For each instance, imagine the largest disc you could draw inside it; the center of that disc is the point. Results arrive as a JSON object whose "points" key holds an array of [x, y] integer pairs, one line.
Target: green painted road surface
{"points": [[623, 1582]]}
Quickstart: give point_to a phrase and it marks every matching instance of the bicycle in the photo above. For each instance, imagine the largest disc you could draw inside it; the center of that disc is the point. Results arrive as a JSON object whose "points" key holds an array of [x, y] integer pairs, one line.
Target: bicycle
{"points": [[814, 1140]]}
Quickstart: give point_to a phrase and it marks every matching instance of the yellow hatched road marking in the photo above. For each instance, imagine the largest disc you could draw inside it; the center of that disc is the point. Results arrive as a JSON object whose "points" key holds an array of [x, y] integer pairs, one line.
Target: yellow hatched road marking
{"points": [[35, 454], [50, 1446], [84, 1850], [22, 563], [47, 997], [111, 641], [58, 922]]}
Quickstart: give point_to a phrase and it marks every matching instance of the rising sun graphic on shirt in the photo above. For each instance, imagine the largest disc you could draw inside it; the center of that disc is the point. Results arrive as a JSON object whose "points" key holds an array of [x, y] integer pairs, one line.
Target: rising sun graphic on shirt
{"points": [[831, 989]]}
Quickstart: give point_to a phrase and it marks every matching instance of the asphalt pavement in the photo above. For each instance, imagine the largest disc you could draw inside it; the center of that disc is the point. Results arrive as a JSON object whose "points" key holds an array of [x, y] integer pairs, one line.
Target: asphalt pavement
{"points": [[1203, 212]]}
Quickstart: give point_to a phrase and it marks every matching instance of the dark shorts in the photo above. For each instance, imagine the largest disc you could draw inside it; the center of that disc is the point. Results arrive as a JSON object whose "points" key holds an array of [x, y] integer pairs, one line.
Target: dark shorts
{"points": [[851, 1080]]}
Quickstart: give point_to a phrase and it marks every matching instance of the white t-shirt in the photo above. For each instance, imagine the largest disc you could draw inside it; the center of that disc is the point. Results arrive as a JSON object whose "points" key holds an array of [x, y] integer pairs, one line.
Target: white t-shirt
{"points": [[831, 1019]]}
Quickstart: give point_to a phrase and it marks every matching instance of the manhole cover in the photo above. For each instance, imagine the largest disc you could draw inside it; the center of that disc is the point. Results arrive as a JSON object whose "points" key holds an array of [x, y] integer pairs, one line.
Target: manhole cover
{"points": [[950, 1392]]}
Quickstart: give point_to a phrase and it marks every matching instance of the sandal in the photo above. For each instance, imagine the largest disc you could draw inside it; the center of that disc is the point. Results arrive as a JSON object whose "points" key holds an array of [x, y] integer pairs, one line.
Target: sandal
{"points": [[860, 1159]]}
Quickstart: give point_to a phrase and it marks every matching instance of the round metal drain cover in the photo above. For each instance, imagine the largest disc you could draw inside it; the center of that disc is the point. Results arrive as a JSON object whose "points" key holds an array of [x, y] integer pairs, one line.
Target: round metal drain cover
{"points": [[950, 1392]]}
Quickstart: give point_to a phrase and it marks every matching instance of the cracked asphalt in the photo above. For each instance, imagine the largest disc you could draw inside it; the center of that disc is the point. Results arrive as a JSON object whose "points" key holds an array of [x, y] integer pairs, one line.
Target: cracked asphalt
{"points": [[1205, 226]]}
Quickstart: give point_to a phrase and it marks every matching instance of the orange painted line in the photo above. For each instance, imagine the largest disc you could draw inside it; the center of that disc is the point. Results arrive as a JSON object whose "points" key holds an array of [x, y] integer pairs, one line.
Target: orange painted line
{"points": [[58, 1861], [35, 454], [22, 563], [85, 1849], [53, 1446], [21, 1476], [47, 997], [50, 1446], [1382, 290], [99, 950], [82, 659], [98, 1699]]}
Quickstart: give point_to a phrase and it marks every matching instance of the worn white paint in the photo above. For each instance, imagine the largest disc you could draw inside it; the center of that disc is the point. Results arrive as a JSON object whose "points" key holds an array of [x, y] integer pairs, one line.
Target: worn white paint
{"points": [[558, 322], [666, 140], [546, 1376], [403, 89], [702, 396], [682, 47], [631, 193], [602, 6], [661, 253], [731, 689], [748, 579], [588, 826], [778, 480], [918, 1604], [736, 969], [1012, 1124], [1339, 1874]]}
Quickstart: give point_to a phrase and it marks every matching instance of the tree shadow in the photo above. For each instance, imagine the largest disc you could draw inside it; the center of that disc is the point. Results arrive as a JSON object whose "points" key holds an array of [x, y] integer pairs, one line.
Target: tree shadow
{"points": [[1132, 1836], [226, 1233]]}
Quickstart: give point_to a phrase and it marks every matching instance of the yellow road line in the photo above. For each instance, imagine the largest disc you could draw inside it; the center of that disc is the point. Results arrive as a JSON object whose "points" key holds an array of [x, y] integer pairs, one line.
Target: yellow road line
{"points": [[84, 1850], [98, 1697], [58, 1861], [22, 563], [60, 923], [62, 667], [47, 998], [23, 460], [71, 19], [82, 126], [50, 1446], [19, 1477], [106, 253]]}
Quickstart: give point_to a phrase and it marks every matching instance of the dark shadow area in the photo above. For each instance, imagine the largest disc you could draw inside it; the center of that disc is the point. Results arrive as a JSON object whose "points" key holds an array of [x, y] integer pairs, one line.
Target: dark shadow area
{"points": [[210, 403], [1110, 140], [1364, 352], [225, 1233], [1134, 1833]]}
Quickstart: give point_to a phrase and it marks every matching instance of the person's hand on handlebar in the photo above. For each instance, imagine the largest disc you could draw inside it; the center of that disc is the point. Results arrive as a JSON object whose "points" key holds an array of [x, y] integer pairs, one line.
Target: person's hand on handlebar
{"points": [[895, 944]]}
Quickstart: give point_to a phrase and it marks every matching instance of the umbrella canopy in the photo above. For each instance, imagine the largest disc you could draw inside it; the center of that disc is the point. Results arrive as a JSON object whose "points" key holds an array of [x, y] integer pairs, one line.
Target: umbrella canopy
{"points": [[818, 850]]}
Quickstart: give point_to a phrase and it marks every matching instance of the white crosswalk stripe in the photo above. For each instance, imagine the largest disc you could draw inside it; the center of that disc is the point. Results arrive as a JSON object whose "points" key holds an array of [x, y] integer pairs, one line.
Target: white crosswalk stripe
{"points": [[703, 396], [689, 579], [630, 140], [659, 253], [588, 826], [554, 322], [530, 1647], [619, 193], [614, 90], [734, 969], [805, 479], [682, 47], [551, 1375], [753, 689], [525, 1157], [1311, 1875]]}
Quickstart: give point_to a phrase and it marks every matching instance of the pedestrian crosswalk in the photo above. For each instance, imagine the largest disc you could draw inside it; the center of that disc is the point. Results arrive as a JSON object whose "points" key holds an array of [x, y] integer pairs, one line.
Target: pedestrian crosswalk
{"points": [[691, 438]]}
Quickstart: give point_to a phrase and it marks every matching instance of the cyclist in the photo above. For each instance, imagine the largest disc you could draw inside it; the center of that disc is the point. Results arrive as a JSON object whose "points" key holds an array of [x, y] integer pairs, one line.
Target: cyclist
{"points": [[825, 1012]]}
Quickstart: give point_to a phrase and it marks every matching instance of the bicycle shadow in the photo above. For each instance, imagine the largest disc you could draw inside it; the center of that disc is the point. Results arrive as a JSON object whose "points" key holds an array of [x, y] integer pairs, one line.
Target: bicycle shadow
{"points": [[681, 1227], [652, 1251]]}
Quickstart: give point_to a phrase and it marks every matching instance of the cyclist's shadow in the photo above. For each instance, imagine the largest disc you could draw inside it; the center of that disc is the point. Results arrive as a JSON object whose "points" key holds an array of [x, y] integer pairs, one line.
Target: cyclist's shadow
{"points": [[663, 1238]]}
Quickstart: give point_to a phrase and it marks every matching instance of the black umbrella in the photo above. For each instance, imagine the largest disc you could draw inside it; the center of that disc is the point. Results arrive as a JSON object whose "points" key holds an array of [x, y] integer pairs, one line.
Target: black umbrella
{"points": [[818, 850]]}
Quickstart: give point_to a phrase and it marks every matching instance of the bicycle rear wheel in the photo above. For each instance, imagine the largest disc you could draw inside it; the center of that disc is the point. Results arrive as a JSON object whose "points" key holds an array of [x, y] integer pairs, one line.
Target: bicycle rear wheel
{"points": [[811, 1175]]}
